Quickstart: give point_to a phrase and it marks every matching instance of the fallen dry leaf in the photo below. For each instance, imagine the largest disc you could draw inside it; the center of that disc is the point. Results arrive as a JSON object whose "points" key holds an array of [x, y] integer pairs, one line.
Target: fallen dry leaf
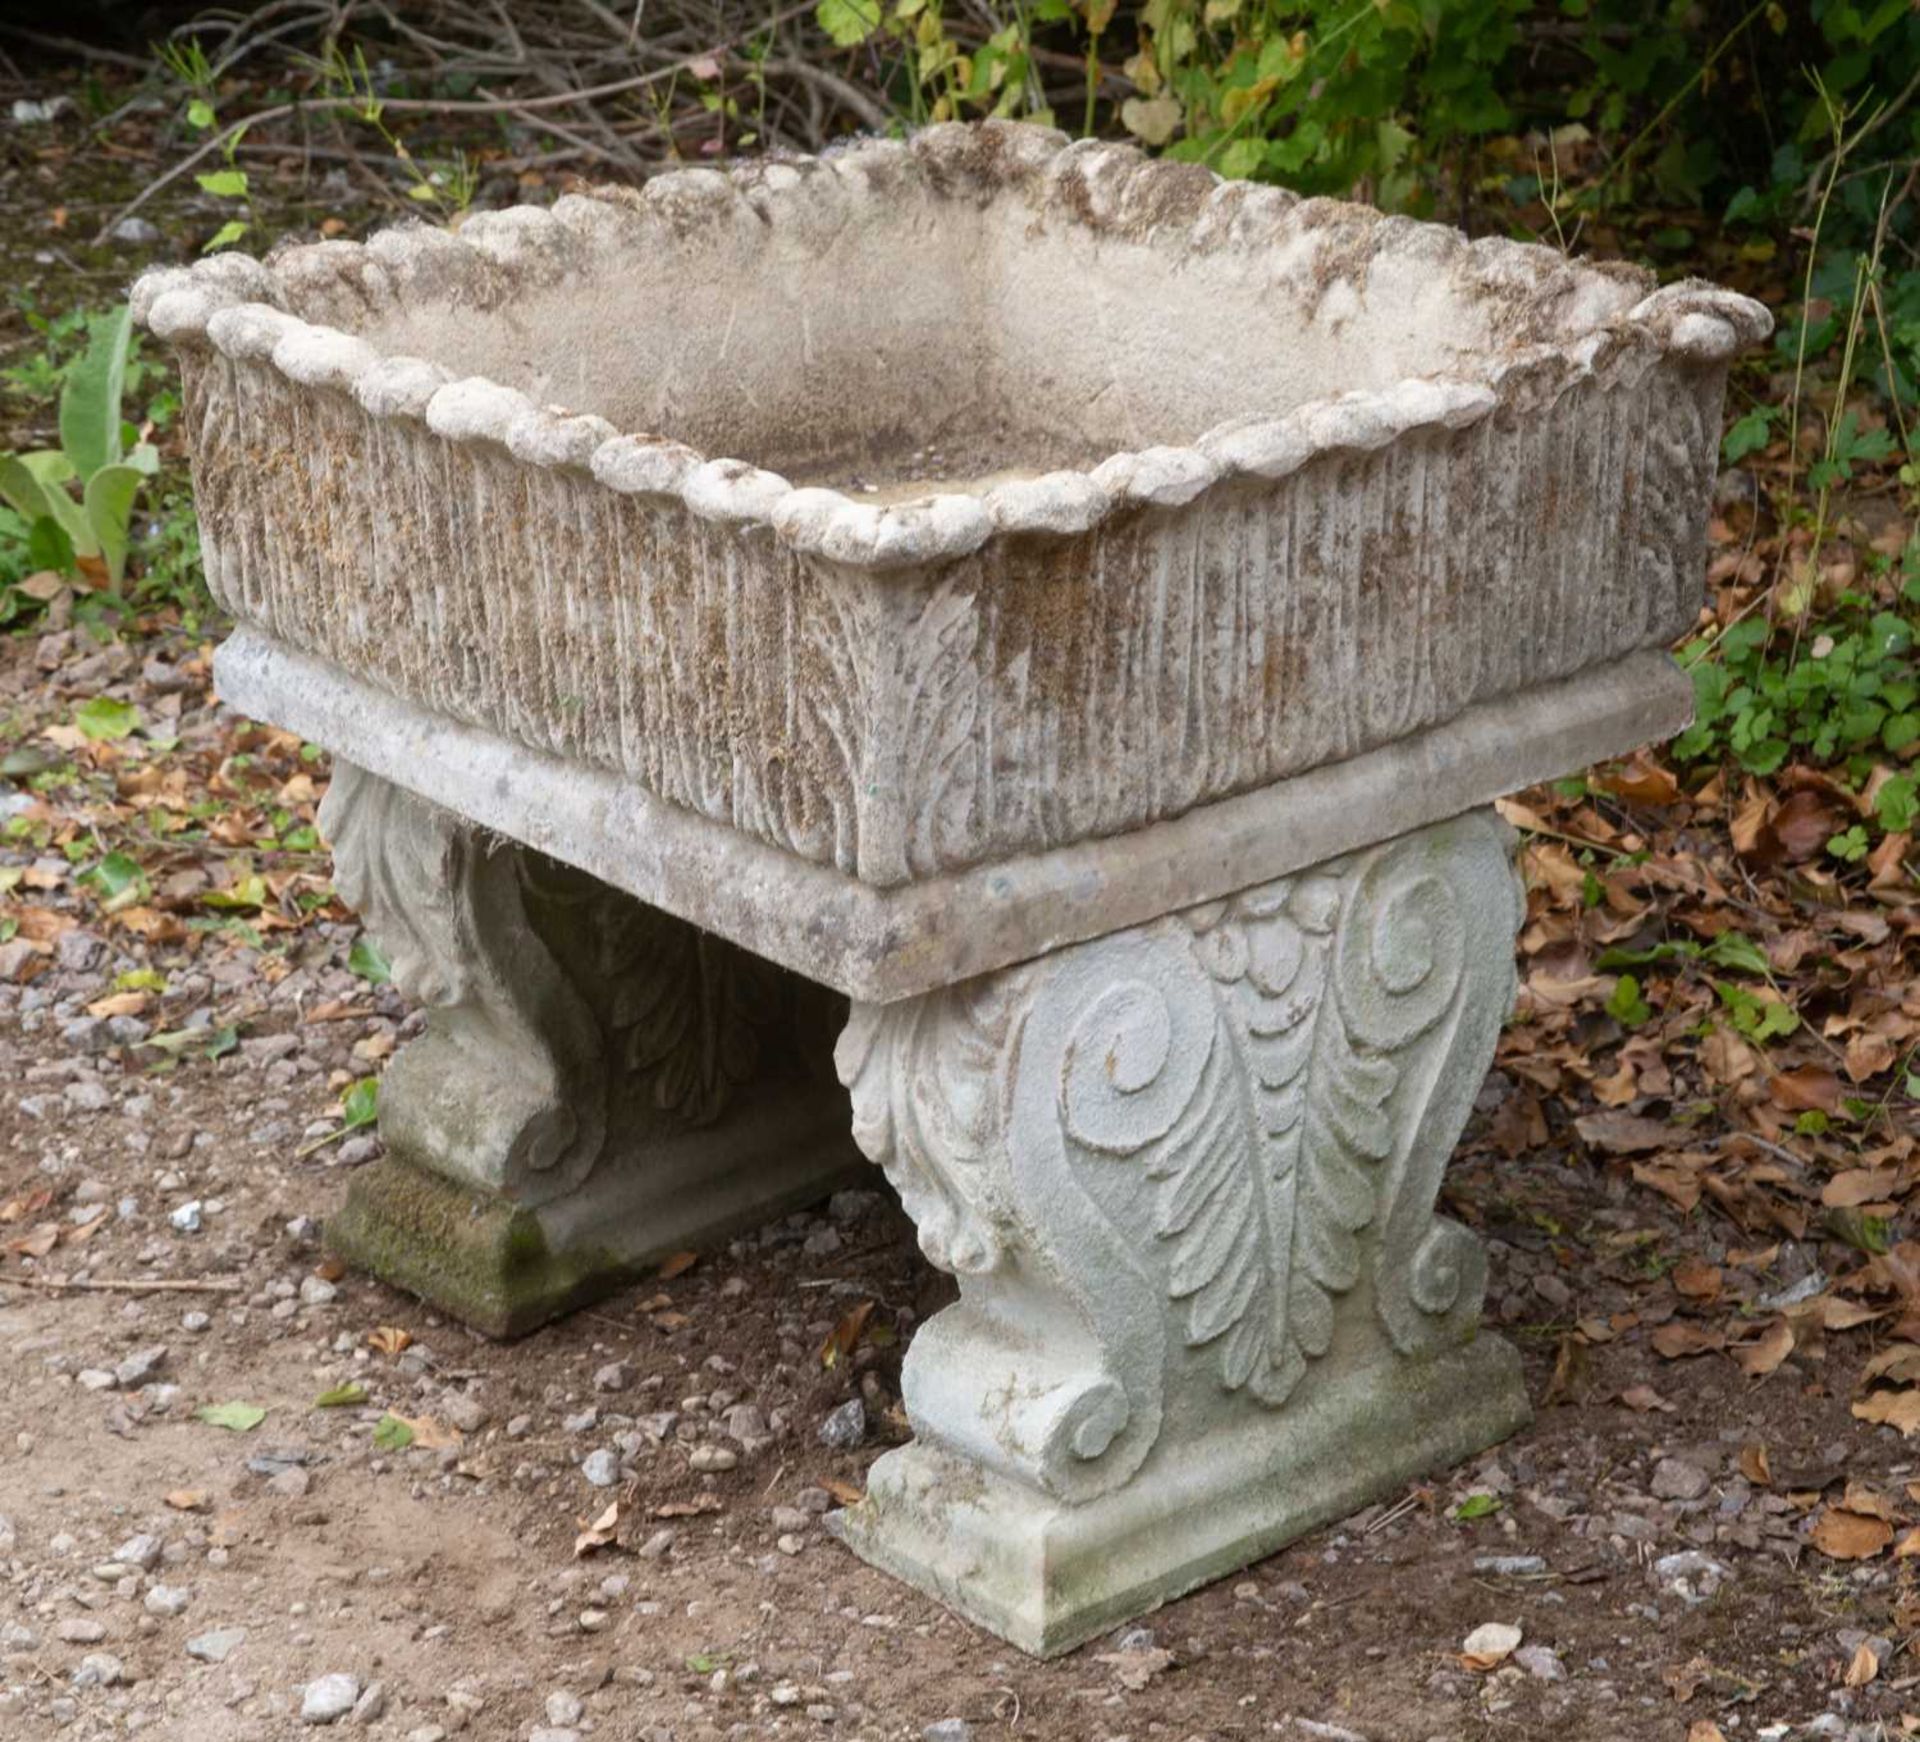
{"points": [[1864, 1667], [38, 1243], [1808, 1089], [1760, 1357], [690, 1508], [188, 1499], [1677, 1340], [1755, 1465], [844, 1336], [1135, 1669], [1843, 1534], [847, 1493], [599, 1533], [1696, 1279], [1683, 1679], [434, 1436], [1895, 1409], [1644, 1398], [678, 1264], [1489, 1645], [389, 1339], [19, 1209], [1617, 1133], [1859, 1185], [1705, 1730]]}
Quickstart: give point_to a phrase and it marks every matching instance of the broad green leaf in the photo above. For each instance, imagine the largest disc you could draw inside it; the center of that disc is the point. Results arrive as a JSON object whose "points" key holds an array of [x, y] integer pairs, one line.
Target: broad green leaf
{"points": [[369, 961], [360, 1105], [200, 114], [143, 457], [21, 490], [33, 483], [48, 546], [341, 1396], [210, 1043], [392, 1434], [90, 398], [49, 465], [249, 892], [239, 1418], [103, 718], [229, 233], [1476, 1506], [109, 504], [1625, 1003], [119, 882], [227, 184], [848, 22], [1735, 950]]}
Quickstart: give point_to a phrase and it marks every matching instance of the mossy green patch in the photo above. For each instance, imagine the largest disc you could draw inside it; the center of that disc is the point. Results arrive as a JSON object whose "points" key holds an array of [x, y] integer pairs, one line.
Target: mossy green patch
{"points": [[485, 1261]]}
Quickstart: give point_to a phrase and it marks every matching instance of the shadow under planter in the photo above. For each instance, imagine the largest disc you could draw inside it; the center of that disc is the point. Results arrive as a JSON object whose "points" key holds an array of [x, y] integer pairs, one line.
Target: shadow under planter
{"points": [[599, 1084]]}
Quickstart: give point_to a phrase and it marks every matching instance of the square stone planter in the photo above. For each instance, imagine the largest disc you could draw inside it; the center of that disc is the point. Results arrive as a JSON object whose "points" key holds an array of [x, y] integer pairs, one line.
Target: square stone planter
{"points": [[1072, 608]]}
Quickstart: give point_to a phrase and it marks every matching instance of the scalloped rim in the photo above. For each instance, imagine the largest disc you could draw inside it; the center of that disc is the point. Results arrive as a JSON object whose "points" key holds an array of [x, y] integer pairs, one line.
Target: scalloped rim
{"points": [[231, 301]]}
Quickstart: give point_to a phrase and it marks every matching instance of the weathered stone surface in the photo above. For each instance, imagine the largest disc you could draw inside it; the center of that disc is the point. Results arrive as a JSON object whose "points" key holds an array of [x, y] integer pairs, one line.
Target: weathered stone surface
{"points": [[879, 945], [1186, 1176], [1376, 474], [599, 1084]]}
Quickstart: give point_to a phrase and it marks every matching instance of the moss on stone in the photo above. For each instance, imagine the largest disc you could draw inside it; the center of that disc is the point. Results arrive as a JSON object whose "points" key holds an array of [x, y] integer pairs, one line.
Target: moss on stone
{"points": [[486, 1262]]}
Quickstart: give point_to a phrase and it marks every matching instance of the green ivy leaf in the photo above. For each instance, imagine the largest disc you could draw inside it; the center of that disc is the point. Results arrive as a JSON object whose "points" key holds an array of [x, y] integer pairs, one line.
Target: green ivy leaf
{"points": [[1759, 1019], [226, 184], [239, 1418], [229, 233], [200, 114], [848, 22], [118, 881], [103, 718], [367, 959], [1850, 845], [344, 1396], [392, 1434], [1476, 1506], [1749, 434], [360, 1105], [1625, 1004], [1737, 951]]}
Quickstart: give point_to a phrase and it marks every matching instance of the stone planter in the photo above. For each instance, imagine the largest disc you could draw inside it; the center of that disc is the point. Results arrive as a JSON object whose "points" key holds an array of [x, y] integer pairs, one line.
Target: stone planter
{"points": [[1072, 608]]}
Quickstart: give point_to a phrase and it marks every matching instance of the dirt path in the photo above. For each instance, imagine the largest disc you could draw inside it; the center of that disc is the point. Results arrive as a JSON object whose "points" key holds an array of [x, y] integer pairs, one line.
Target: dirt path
{"points": [[447, 1575]]}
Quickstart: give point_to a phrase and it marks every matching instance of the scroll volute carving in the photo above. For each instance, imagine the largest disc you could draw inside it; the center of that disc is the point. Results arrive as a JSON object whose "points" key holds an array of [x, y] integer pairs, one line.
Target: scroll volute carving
{"points": [[1192, 1142]]}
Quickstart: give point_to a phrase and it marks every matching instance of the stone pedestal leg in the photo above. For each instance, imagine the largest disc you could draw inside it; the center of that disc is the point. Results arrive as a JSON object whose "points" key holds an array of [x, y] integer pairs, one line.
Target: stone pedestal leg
{"points": [[599, 1083], [1186, 1175]]}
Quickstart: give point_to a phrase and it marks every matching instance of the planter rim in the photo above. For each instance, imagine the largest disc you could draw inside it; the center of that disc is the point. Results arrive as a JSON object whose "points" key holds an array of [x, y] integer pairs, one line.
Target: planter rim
{"points": [[234, 303]]}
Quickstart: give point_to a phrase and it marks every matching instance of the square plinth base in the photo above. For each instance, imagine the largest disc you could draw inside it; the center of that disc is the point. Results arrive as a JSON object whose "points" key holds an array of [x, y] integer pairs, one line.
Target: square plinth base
{"points": [[1047, 1576], [505, 1269]]}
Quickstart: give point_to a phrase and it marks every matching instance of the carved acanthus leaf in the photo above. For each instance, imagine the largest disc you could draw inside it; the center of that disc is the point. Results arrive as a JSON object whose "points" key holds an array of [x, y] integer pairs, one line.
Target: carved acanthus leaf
{"points": [[1268, 1168], [927, 1077]]}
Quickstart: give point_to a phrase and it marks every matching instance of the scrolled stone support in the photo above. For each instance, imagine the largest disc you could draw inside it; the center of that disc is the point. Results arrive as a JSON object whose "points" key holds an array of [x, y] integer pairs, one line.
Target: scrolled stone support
{"points": [[507, 1091], [1186, 1175], [599, 1083]]}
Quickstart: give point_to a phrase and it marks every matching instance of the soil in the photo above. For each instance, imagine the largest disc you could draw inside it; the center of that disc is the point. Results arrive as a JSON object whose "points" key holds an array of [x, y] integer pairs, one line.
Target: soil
{"points": [[450, 1574]]}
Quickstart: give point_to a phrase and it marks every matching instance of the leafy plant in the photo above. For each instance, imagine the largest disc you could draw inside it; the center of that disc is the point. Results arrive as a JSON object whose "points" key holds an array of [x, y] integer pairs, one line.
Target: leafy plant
{"points": [[188, 63], [1849, 696], [98, 453]]}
